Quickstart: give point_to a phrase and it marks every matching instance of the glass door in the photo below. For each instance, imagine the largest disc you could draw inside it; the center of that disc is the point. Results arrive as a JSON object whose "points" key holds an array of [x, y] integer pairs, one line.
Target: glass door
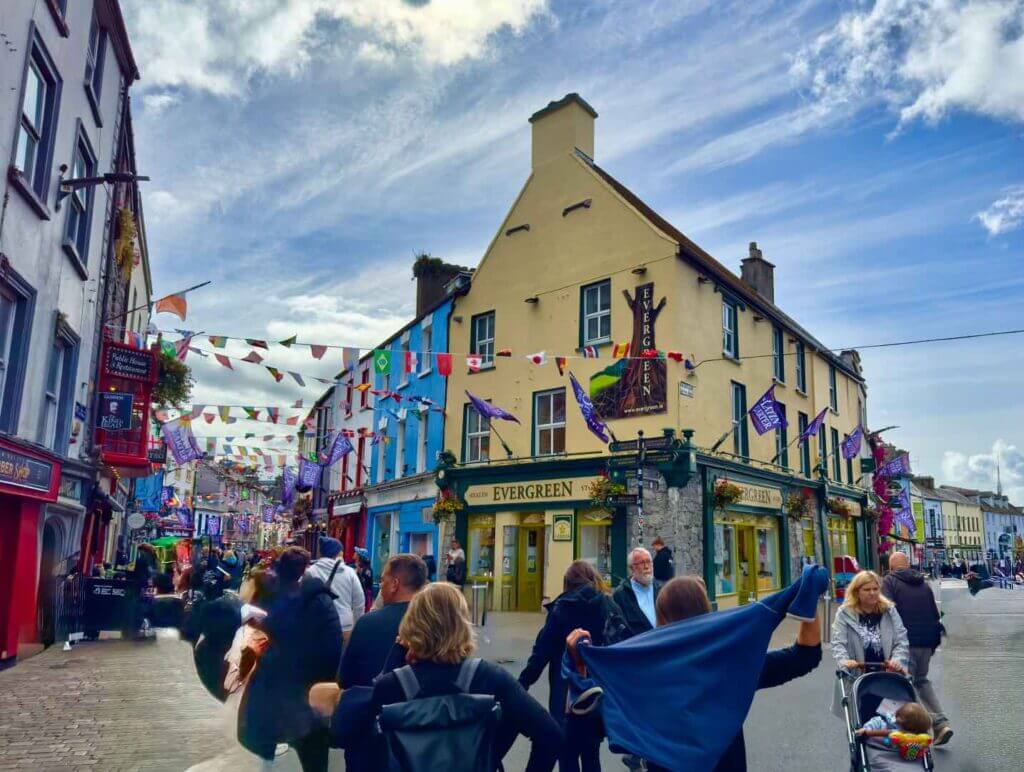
{"points": [[531, 567]]}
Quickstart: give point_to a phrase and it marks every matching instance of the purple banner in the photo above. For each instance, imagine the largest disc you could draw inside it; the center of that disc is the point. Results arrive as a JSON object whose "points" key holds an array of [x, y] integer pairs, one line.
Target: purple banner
{"points": [[268, 513], [898, 467], [851, 445], [184, 516], [766, 415], [179, 438], [288, 479], [904, 515], [339, 448], [487, 410], [309, 473], [813, 426], [213, 525], [594, 423]]}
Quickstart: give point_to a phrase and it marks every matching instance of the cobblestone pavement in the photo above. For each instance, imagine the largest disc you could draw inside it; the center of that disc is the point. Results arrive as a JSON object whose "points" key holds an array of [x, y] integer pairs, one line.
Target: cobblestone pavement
{"points": [[117, 705]]}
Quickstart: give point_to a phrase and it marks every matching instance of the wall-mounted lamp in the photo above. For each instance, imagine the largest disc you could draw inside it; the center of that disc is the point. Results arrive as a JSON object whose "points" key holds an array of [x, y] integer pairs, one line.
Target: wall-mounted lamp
{"points": [[640, 270], [532, 300], [585, 204], [523, 227]]}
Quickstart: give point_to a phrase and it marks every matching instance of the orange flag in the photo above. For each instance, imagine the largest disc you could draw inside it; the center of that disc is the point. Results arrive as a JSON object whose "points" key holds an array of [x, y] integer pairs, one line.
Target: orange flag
{"points": [[173, 304]]}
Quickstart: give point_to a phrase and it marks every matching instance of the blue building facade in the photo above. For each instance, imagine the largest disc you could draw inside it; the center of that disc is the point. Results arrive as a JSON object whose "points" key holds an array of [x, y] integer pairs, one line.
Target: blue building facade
{"points": [[409, 412]]}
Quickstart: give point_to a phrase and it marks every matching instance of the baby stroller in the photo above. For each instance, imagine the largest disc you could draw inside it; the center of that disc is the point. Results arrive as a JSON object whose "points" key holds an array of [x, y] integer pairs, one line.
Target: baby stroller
{"points": [[861, 698]]}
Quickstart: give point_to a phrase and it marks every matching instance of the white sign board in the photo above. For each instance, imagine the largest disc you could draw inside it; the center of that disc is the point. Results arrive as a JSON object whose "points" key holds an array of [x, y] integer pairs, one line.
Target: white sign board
{"points": [[136, 520], [686, 389]]}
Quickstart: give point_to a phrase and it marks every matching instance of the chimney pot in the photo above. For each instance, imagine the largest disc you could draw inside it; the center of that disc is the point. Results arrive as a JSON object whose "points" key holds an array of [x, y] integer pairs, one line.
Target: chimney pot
{"points": [[758, 272]]}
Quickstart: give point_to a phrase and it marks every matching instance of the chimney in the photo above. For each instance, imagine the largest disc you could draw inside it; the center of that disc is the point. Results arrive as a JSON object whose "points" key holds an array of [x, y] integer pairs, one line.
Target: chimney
{"points": [[562, 127], [432, 274], [925, 482], [758, 273]]}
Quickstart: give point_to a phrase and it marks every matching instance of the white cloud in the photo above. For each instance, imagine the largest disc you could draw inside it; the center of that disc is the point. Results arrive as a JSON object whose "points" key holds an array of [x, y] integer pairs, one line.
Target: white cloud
{"points": [[922, 58], [218, 45], [1005, 214], [978, 470], [156, 103]]}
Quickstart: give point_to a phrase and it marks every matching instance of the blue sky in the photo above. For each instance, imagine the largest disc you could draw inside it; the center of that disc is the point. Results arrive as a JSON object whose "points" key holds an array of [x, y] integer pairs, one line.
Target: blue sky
{"points": [[303, 150]]}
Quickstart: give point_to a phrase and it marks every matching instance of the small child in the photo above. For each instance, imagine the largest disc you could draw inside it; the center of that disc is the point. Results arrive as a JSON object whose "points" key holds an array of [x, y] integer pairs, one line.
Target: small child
{"points": [[909, 717]]}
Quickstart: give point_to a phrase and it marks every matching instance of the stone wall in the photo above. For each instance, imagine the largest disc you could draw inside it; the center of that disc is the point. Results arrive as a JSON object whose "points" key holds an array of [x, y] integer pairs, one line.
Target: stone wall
{"points": [[674, 514]]}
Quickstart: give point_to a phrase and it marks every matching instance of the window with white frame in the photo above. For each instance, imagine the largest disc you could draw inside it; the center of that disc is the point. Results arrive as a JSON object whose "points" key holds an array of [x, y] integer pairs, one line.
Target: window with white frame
{"points": [[79, 203], [17, 301], [94, 67], [730, 341], [801, 367], [482, 338], [778, 355], [36, 130], [400, 450], [421, 448], [597, 313], [426, 341], [402, 352], [8, 310], [833, 392], [477, 435], [58, 390], [549, 422]]}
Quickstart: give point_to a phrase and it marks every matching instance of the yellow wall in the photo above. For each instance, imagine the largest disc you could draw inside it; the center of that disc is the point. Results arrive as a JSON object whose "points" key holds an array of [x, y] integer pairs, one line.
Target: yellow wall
{"points": [[557, 256]]}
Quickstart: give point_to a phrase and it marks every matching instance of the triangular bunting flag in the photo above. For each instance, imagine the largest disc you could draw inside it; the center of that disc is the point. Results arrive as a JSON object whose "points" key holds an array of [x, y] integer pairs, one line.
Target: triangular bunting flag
{"points": [[172, 304], [225, 412], [560, 362], [298, 403], [293, 421], [217, 341], [350, 358], [590, 352], [317, 351], [273, 413], [444, 364], [297, 377], [505, 352], [287, 342], [278, 375], [256, 342], [197, 410], [252, 412], [253, 358], [620, 351], [209, 417], [474, 362], [223, 360]]}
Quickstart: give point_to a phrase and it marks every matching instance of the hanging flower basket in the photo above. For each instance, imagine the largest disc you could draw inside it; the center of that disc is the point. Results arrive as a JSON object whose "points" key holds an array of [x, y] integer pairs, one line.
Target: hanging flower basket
{"points": [[798, 505], [838, 506], [446, 507], [600, 489], [726, 493]]}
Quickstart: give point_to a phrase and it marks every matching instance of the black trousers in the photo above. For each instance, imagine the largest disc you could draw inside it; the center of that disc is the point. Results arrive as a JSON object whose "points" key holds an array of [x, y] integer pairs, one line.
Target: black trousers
{"points": [[313, 750]]}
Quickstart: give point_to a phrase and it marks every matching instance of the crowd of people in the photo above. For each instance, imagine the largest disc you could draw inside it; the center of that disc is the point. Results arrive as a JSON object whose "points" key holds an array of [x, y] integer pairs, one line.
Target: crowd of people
{"points": [[304, 656]]}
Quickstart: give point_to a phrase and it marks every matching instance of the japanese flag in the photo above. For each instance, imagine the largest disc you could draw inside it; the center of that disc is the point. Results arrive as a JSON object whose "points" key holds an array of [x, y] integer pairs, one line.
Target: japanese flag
{"points": [[410, 361], [538, 359], [474, 362]]}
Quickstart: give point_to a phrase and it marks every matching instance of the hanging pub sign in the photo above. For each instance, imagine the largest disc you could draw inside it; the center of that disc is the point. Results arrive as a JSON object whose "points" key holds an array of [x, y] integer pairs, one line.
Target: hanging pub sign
{"points": [[634, 385], [127, 378]]}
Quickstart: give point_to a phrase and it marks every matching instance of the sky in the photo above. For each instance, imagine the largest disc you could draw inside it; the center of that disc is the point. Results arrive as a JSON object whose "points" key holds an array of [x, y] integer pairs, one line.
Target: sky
{"points": [[303, 151]]}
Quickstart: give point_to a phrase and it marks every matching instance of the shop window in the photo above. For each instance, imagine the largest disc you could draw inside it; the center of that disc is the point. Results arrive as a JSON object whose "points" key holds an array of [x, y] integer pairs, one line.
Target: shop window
{"points": [[725, 559], [596, 317], [481, 551], [768, 577], [33, 148], [477, 441], [595, 543], [482, 338], [805, 446], [807, 531], [740, 440], [549, 422]]}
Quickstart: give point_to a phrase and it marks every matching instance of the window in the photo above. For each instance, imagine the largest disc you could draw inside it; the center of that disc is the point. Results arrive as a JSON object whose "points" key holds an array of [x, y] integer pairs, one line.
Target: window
{"points": [[849, 464], [348, 397], [58, 390], [33, 149], [778, 355], [549, 422], [17, 302], [400, 451], [482, 341], [477, 445], [360, 455], [382, 455], [58, 10], [344, 473], [730, 337], [421, 449], [740, 442], [837, 458], [833, 394], [79, 204], [801, 367], [426, 341], [822, 449], [402, 351], [596, 317], [94, 67], [782, 441], [364, 394], [805, 446]]}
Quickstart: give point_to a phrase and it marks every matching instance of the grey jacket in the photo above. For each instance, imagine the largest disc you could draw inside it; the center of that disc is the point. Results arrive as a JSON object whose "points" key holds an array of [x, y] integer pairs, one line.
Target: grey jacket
{"points": [[847, 643]]}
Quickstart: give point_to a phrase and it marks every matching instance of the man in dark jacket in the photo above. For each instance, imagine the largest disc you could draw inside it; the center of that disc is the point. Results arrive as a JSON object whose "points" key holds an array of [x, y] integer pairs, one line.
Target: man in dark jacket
{"points": [[664, 565], [305, 648], [916, 605], [636, 595]]}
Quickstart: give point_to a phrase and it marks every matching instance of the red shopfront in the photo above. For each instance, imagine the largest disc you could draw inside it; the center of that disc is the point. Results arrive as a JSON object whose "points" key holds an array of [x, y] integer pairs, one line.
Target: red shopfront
{"points": [[29, 479], [346, 521]]}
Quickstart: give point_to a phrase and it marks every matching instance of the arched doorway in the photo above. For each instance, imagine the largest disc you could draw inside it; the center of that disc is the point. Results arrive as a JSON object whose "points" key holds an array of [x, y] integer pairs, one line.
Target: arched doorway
{"points": [[47, 601]]}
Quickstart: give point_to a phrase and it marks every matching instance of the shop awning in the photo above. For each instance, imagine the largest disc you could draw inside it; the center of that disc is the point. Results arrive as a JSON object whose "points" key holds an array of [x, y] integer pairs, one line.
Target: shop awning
{"points": [[347, 509]]}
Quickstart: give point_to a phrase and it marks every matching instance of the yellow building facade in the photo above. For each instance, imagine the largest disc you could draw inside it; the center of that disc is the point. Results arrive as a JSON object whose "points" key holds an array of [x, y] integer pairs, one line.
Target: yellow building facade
{"points": [[581, 264]]}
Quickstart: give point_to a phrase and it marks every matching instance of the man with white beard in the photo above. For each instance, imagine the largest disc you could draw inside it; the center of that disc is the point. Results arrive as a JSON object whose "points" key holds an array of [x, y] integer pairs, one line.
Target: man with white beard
{"points": [[636, 595]]}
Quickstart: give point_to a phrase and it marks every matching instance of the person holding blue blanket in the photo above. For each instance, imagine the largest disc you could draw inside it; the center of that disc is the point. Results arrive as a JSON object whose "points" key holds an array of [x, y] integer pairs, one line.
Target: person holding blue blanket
{"points": [[677, 696]]}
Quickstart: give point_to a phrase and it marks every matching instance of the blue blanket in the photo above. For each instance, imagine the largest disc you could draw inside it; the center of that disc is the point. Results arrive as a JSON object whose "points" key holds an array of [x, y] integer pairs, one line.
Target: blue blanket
{"points": [[678, 695]]}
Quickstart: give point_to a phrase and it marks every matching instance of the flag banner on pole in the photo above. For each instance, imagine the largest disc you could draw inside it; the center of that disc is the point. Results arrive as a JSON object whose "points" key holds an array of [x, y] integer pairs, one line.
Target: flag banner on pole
{"points": [[179, 438], [444, 365], [851, 445], [309, 473], [317, 351], [173, 304], [474, 362], [765, 415], [813, 426], [349, 358], [382, 361], [595, 424], [898, 467], [339, 448], [487, 410]]}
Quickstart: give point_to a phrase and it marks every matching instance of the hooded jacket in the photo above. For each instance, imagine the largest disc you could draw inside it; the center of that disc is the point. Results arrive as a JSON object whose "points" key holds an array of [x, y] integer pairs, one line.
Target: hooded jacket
{"points": [[349, 598], [586, 608], [914, 600]]}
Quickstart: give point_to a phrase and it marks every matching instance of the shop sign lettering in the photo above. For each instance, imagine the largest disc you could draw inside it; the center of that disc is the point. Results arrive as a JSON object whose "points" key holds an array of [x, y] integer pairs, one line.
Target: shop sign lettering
{"points": [[125, 362], [24, 472], [758, 496], [570, 489]]}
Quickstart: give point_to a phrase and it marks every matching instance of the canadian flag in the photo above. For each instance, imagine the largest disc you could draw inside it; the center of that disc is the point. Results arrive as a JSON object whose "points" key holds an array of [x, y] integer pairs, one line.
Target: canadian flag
{"points": [[474, 362], [539, 358], [410, 361]]}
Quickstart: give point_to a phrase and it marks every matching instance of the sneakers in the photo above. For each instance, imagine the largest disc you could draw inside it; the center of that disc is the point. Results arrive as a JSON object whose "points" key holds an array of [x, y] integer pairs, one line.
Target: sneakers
{"points": [[943, 735], [587, 701]]}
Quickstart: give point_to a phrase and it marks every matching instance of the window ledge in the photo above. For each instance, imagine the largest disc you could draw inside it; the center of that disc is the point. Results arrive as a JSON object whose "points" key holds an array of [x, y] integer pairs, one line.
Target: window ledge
{"points": [[777, 382], [425, 373], [801, 392], [730, 358], [833, 411], [20, 184], [58, 18], [72, 252], [94, 104], [600, 343]]}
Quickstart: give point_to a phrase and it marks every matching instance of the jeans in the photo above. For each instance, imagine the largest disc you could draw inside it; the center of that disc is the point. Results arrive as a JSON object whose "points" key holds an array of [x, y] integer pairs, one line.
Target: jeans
{"points": [[920, 659], [581, 749]]}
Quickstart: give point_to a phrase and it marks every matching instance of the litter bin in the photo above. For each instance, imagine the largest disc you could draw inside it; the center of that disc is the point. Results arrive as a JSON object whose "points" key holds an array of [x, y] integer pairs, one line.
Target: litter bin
{"points": [[478, 604]]}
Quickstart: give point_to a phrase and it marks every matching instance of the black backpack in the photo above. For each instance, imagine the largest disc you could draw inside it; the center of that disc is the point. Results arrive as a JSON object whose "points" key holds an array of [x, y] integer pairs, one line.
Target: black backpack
{"points": [[453, 732]]}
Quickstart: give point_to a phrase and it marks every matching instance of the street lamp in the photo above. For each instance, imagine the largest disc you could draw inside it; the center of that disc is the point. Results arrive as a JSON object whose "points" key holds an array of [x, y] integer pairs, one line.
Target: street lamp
{"points": [[67, 187]]}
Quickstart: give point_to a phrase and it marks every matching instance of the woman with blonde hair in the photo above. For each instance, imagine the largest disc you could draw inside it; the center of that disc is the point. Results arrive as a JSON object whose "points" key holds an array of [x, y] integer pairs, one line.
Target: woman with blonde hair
{"points": [[437, 635], [867, 633]]}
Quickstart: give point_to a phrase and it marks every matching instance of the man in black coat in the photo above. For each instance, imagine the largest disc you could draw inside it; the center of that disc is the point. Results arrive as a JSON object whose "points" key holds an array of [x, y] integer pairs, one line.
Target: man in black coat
{"points": [[917, 608], [664, 565], [636, 596]]}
